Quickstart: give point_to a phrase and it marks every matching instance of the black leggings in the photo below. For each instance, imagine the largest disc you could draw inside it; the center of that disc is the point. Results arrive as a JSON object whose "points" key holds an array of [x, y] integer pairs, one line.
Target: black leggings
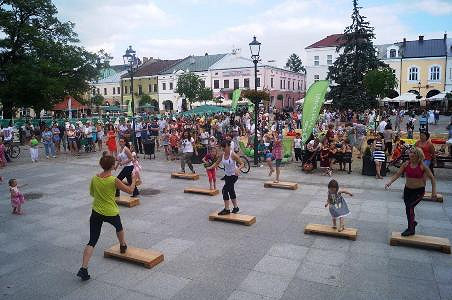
{"points": [[412, 197], [95, 226], [298, 154], [126, 172], [228, 188]]}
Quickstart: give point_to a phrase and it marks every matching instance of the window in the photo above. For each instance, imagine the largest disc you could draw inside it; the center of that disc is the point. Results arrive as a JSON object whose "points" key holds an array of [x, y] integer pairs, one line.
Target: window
{"points": [[316, 78], [216, 84], [413, 74], [105, 91], [271, 82], [98, 91], [316, 60], [246, 82], [293, 85], [114, 91], [236, 84], [150, 88], [118, 90], [280, 85], [164, 86], [125, 89], [171, 86], [392, 53], [284, 84], [94, 91], [258, 82], [156, 88], [329, 60], [203, 83], [140, 90], [288, 84], [434, 73], [226, 84], [298, 84]]}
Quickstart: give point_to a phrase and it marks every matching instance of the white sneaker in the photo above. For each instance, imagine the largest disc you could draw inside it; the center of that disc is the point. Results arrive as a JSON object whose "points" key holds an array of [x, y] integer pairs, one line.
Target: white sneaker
{"points": [[54, 156], [47, 157]]}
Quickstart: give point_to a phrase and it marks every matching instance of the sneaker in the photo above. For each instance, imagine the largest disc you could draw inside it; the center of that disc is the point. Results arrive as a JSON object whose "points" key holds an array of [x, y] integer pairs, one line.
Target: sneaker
{"points": [[47, 157], [54, 156], [123, 249], [235, 210], [83, 274], [408, 232], [224, 212]]}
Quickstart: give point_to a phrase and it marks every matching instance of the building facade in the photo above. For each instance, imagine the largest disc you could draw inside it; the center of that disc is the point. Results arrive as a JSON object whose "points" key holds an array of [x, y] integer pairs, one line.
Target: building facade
{"points": [[145, 82], [167, 79], [109, 84], [235, 72], [320, 56], [423, 66]]}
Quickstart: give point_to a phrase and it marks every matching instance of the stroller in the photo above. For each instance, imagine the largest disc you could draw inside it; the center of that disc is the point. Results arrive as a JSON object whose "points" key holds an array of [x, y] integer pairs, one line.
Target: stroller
{"points": [[87, 144], [400, 152]]}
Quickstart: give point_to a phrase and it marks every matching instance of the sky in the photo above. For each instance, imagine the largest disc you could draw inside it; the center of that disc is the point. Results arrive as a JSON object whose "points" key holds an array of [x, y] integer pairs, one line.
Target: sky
{"points": [[170, 29]]}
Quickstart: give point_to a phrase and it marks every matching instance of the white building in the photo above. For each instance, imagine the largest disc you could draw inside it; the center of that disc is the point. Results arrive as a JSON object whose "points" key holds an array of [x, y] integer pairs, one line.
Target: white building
{"points": [[109, 84], [391, 54], [319, 56], [448, 88], [167, 79], [236, 72]]}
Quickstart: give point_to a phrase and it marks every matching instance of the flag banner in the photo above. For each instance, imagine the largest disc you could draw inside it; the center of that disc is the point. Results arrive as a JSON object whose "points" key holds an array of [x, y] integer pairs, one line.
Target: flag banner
{"points": [[235, 99], [311, 107]]}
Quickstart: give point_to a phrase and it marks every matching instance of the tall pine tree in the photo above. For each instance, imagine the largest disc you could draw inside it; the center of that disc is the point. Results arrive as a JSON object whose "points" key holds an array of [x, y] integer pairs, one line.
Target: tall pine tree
{"points": [[348, 71]]}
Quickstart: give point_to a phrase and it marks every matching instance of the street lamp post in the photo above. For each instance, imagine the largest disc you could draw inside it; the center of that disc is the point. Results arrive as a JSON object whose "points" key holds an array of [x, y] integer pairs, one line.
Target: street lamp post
{"points": [[255, 48], [130, 58]]}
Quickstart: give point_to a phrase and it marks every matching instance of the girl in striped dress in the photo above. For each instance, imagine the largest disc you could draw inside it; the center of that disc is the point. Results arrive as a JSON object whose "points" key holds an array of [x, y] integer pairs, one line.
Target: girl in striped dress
{"points": [[378, 148]]}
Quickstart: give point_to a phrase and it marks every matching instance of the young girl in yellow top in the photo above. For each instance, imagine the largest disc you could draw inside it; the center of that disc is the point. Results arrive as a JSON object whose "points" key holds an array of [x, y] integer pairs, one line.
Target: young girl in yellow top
{"points": [[102, 189]]}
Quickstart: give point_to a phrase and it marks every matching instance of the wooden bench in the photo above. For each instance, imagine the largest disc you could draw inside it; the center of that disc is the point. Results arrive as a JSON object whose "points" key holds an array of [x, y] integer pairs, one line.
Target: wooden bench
{"points": [[128, 201], [349, 233], [281, 185], [190, 176], [233, 218], [195, 190], [421, 241], [428, 197], [149, 258]]}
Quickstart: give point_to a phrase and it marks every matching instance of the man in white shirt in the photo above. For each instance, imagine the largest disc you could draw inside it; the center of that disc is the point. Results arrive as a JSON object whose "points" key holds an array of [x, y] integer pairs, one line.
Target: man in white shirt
{"points": [[381, 126], [138, 142]]}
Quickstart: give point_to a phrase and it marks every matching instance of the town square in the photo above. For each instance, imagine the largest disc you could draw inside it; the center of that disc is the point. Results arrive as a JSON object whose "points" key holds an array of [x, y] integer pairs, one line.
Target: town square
{"points": [[260, 149]]}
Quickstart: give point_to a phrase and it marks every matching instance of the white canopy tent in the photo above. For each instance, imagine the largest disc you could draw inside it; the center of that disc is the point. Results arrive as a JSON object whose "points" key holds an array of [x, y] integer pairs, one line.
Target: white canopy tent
{"points": [[405, 98], [300, 101], [438, 97]]}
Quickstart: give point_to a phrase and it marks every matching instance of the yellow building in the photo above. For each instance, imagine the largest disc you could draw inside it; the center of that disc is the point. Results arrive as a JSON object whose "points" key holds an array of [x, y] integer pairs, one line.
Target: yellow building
{"points": [[423, 66]]}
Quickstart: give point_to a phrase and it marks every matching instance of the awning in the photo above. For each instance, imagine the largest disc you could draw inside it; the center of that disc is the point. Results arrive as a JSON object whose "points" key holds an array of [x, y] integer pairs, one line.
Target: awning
{"points": [[405, 97], [64, 105], [437, 97]]}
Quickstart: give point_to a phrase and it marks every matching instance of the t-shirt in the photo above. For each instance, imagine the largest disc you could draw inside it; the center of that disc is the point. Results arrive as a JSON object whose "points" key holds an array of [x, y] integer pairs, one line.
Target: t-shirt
{"points": [[47, 137], [34, 142], [382, 126], [187, 145], [152, 130], [7, 134], [103, 191], [296, 143], [138, 128]]}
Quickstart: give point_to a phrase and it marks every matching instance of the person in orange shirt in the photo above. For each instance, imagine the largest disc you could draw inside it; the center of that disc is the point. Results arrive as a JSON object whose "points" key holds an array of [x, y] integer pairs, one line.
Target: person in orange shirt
{"points": [[174, 144]]}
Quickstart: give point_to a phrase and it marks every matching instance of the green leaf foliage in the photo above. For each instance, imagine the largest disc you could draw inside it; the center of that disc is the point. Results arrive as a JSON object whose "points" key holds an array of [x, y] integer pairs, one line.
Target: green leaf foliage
{"points": [[358, 58], [40, 57], [295, 64], [380, 82], [188, 85]]}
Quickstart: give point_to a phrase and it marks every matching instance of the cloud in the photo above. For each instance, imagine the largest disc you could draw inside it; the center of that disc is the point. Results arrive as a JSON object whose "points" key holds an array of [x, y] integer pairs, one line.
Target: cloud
{"points": [[285, 27]]}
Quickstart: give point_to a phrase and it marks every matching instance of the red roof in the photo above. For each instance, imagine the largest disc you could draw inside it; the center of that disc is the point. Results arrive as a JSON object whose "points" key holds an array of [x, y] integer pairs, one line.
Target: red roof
{"points": [[63, 105], [333, 40]]}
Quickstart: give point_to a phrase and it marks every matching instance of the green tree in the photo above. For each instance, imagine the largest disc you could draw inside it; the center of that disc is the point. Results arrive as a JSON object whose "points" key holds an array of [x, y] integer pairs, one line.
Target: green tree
{"points": [[204, 94], [295, 64], [40, 57], [380, 82], [145, 99], [358, 57], [97, 99], [188, 85]]}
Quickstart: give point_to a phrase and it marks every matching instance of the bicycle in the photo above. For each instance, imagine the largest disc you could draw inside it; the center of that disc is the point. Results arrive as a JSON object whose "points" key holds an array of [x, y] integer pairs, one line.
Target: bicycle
{"points": [[13, 150], [246, 165]]}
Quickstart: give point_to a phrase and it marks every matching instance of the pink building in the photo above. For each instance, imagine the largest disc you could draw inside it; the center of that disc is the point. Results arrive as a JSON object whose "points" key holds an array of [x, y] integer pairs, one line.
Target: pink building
{"points": [[236, 72]]}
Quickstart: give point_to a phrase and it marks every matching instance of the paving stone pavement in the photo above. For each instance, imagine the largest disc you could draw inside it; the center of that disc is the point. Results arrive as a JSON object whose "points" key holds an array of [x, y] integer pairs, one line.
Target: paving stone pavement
{"points": [[272, 259]]}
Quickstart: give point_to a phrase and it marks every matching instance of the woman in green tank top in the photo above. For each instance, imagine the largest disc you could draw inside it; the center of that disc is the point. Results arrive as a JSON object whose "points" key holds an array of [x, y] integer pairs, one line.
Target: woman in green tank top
{"points": [[103, 188]]}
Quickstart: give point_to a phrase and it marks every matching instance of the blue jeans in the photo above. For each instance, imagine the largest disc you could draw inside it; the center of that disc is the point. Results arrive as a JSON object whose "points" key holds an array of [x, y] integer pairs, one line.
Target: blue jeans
{"points": [[49, 148]]}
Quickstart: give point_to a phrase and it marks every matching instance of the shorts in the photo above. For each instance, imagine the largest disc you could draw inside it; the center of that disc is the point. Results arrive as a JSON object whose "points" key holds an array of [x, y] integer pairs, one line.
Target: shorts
{"points": [[278, 163], [268, 155]]}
